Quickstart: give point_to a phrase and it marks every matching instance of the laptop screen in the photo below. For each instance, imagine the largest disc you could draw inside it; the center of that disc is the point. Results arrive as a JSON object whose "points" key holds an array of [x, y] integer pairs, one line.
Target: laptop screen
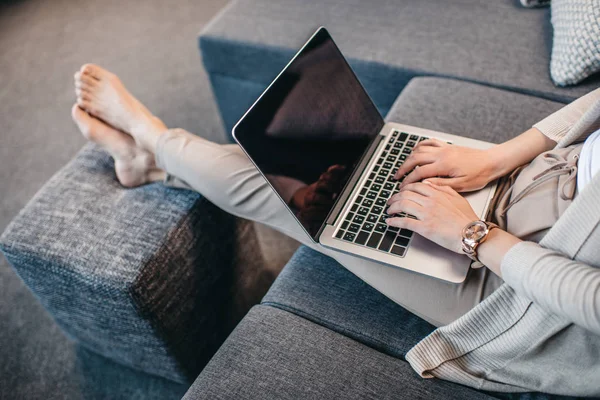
{"points": [[309, 130]]}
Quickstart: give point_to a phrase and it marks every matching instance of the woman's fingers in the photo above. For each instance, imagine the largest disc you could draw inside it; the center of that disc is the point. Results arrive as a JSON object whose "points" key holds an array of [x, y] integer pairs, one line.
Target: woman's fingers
{"points": [[423, 172], [417, 187], [406, 223], [414, 160], [431, 142], [410, 202]]}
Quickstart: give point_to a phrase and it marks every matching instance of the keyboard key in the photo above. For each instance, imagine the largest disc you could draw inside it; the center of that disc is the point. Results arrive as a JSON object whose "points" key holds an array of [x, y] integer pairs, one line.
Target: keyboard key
{"points": [[383, 217], [380, 202], [354, 207], [359, 199], [384, 154], [362, 238], [384, 172], [395, 133], [359, 219], [372, 176], [406, 150], [367, 203], [411, 144], [379, 179], [391, 159], [374, 240], [423, 138], [363, 191], [414, 137], [395, 152], [376, 168], [406, 233], [402, 241], [377, 210], [389, 186], [372, 218], [371, 195], [379, 161], [387, 241], [349, 236], [339, 234], [362, 211], [345, 224], [403, 137], [402, 157], [367, 184], [393, 229], [381, 228], [385, 194], [376, 187], [392, 140], [398, 145], [354, 228], [349, 216], [388, 165], [367, 226], [398, 250], [388, 147]]}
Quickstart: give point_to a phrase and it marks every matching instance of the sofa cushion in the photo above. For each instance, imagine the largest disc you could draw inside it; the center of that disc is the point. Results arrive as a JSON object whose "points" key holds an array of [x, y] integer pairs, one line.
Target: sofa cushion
{"points": [[273, 354], [388, 42], [320, 290], [576, 45], [141, 276]]}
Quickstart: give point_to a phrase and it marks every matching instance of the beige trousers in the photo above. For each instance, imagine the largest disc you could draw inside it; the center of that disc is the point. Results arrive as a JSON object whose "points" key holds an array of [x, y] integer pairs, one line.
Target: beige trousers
{"points": [[224, 175]]}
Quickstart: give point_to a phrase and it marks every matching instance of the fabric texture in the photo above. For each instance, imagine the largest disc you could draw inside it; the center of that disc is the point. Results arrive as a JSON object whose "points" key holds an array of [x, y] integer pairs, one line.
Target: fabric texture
{"points": [[141, 276], [576, 44], [274, 354], [387, 43], [541, 330]]}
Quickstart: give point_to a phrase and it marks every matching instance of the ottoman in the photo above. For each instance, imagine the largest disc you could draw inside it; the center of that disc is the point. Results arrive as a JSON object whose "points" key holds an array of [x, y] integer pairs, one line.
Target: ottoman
{"points": [[153, 278]]}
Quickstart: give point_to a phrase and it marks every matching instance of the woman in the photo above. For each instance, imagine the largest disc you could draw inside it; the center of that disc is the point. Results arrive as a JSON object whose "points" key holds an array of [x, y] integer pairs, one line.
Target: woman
{"points": [[528, 321]]}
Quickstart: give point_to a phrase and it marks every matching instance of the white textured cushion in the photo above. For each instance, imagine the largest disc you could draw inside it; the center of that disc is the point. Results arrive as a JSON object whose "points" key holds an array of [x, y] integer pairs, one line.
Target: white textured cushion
{"points": [[576, 47]]}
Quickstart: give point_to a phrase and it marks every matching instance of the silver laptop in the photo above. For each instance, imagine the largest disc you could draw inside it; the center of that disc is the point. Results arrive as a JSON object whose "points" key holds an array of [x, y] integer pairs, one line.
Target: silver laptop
{"points": [[316, 129]]}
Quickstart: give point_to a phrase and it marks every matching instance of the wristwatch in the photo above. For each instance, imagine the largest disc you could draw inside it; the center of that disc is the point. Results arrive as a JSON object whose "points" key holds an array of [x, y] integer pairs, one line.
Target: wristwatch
{"points": [[473, 235]]}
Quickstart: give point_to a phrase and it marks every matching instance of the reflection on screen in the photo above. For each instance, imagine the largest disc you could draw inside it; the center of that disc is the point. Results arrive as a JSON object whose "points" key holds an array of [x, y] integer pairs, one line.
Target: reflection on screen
{"points": [[310, 129]]}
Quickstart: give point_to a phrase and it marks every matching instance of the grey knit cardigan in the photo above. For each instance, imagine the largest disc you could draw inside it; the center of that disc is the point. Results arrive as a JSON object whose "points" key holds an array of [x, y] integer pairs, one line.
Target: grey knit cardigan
{"points": [[540, 331]]}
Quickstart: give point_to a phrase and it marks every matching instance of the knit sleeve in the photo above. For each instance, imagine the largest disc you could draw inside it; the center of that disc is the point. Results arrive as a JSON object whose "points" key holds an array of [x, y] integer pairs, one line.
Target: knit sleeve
{"points": [[565, 287], [557, 125]]}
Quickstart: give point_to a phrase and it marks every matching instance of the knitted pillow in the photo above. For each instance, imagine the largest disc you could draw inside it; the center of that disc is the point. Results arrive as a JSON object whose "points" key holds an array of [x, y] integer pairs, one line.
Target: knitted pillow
{"points": [[534, 3], [576, 47]]}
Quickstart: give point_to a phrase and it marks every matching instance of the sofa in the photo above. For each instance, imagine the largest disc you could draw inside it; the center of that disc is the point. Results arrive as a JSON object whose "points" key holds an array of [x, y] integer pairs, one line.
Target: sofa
{"points": [[164, 283]]}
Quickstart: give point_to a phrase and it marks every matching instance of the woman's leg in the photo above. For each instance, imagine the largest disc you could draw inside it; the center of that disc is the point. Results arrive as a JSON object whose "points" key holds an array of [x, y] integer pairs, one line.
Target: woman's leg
{"points": [[226, 177]]}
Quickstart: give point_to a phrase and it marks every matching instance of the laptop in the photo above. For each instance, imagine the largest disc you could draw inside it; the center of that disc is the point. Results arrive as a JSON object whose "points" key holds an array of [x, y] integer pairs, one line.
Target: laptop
{"points": [[316, 130]]}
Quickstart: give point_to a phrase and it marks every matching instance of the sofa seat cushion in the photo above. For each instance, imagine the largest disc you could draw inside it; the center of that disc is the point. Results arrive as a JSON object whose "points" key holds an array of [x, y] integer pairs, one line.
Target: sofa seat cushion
{"points": [[274, 354], [388, 42], [144, 276]]}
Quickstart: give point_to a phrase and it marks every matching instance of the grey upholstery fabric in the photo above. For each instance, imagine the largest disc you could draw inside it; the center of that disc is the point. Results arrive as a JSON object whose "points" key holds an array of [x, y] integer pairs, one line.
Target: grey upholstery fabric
{"points": [[140, 276], [320, 290], [388, 42], [274, 354], [468, 109]]}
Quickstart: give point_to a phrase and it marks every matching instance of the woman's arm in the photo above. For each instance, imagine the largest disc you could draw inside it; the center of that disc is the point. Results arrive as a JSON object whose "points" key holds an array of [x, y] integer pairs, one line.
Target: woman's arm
{"points": [[465, 169], [567, 288]]}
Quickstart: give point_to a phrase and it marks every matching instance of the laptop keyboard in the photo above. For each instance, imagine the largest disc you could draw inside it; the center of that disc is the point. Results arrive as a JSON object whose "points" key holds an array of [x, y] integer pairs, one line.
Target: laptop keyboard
{"points": [[364, 224]]}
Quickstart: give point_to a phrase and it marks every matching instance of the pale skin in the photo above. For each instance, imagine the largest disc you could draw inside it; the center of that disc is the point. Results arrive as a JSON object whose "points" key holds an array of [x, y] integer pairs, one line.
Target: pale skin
{"points": [[107, 114]]}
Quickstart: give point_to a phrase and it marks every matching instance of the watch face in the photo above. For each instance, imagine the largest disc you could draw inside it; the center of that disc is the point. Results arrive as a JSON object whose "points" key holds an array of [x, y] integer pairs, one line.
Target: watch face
{"points": [[475, 231]]}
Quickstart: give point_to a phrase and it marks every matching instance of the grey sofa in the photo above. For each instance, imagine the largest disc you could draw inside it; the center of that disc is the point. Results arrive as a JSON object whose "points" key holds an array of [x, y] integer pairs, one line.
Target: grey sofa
{"points": [[155, 279]]}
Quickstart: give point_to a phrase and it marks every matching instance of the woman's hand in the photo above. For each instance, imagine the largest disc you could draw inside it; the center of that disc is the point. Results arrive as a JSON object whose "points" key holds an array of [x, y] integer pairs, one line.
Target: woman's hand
{"points": [[441, 213], [463, 169]]}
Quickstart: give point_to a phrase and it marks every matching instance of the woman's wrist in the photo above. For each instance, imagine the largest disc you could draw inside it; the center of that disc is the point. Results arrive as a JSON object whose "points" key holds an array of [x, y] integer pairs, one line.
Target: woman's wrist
{"points": [[492, 251]]}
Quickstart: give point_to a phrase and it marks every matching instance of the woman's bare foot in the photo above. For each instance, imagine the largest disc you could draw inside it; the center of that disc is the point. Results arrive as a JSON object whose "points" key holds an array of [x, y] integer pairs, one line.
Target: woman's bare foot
{"points": [[134, 166], [102, 94]]}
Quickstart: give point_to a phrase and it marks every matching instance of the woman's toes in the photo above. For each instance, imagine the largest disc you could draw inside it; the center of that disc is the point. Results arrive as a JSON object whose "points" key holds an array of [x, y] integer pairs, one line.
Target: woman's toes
{"points": [[94, 71], [84, 122]]}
